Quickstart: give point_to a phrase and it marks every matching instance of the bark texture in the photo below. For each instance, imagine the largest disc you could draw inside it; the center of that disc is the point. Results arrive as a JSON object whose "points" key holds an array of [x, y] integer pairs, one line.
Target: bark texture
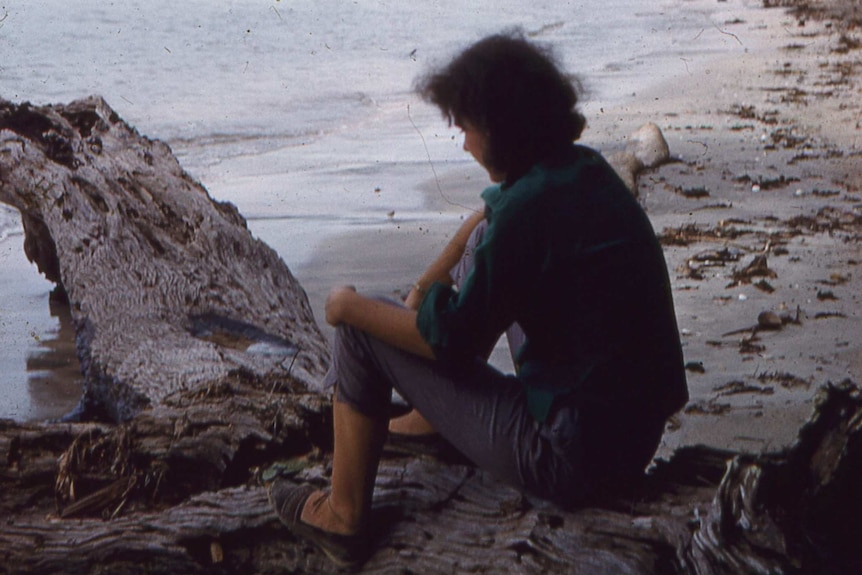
{"points": [[704, 513], [169, 291], [201, 356]]}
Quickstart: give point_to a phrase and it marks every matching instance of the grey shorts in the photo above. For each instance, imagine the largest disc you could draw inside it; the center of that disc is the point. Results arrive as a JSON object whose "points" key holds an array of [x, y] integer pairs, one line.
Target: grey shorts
{"points": [[480, 411]]}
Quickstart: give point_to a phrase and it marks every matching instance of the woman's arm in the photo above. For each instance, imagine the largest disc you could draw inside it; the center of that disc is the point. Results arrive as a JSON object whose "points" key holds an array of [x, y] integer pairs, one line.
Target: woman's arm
{"points": [[438, 271], [392, 324], [389, 323]]}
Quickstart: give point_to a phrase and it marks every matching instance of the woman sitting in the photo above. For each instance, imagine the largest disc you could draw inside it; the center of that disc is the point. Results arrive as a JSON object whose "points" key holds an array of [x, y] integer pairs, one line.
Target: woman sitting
{"points": [[567, 254]]}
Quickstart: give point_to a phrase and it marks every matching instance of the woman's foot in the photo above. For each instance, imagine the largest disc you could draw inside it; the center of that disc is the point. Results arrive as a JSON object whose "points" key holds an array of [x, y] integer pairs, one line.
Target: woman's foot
{"points": [[346, 550], [411, 434], [319, 512], [411, 423]]}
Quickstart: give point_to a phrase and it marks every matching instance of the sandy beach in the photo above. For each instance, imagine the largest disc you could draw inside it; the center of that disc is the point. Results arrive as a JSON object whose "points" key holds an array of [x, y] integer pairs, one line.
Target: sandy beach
{"points": [[760, 212]]}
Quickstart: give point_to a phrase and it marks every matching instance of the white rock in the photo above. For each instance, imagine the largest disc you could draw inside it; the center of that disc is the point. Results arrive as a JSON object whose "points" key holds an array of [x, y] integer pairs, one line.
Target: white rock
{"points": [[649, 146]]}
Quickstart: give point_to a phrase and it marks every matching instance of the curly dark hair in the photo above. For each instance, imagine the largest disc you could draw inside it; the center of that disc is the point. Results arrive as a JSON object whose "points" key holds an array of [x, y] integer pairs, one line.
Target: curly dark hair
{"points": [[512, 90]]}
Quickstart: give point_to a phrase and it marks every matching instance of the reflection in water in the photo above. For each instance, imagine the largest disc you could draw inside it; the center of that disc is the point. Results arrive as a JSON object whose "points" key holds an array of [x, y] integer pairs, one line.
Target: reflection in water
{"points": [[53, 370]]}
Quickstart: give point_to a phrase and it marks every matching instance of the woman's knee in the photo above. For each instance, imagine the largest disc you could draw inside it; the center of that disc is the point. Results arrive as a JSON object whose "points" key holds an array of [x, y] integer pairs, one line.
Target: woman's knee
{"points": [[346, 335]]}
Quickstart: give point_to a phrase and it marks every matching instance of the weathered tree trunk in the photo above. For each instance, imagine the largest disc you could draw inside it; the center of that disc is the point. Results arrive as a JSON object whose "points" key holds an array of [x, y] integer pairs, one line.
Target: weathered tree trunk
{"points": [[198, 346], [188, 329], [169, 291]]}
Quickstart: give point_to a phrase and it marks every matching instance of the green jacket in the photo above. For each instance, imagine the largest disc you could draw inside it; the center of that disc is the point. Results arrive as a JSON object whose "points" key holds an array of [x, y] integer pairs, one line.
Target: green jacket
{"points": [[570, 255]]}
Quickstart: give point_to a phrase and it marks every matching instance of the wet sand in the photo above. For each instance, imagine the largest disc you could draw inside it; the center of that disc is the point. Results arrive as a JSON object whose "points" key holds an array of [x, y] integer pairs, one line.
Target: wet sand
{"points": [[766, 147]]}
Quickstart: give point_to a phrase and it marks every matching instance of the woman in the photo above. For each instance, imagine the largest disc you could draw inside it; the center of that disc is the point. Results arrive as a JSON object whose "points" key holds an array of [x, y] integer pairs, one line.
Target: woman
{"points": [[569, 255]]}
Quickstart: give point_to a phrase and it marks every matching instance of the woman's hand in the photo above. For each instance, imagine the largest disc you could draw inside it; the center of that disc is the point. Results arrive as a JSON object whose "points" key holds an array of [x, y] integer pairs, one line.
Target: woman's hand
{"points": [[337, 303], [382, 320], [438, 271]]}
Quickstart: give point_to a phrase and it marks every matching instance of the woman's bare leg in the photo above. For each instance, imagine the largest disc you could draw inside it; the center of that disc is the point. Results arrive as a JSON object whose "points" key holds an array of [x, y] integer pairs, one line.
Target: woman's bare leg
{"points": [[411, 423], [358, 443]]}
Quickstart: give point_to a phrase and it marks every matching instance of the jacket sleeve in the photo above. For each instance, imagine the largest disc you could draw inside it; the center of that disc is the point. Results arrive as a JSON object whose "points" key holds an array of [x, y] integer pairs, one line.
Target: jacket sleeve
{"points": [[461, 325]]}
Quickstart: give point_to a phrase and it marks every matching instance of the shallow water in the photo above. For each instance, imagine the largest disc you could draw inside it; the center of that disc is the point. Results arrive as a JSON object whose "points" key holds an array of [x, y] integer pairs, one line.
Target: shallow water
{"points": [[300, 112], [39, 373]]}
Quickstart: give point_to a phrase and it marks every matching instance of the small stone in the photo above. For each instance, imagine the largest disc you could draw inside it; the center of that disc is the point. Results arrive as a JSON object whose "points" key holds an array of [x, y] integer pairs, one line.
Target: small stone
{"points": [[627, 166], [649, 146], [695, 367], [216, 552], [769, 320]]}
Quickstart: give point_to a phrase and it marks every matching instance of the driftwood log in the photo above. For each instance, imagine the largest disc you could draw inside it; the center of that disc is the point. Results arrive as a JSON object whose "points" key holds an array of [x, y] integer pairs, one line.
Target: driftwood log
{"points": [[201, 361], [168, 289]]}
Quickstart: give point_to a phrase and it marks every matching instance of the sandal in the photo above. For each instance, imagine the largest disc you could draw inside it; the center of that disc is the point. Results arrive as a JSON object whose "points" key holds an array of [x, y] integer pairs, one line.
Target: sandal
{"points": [[288, 499]]}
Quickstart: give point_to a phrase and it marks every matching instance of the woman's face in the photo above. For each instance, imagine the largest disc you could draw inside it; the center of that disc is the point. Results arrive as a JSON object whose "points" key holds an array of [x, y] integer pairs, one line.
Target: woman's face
{"points": [[476, 142]]}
